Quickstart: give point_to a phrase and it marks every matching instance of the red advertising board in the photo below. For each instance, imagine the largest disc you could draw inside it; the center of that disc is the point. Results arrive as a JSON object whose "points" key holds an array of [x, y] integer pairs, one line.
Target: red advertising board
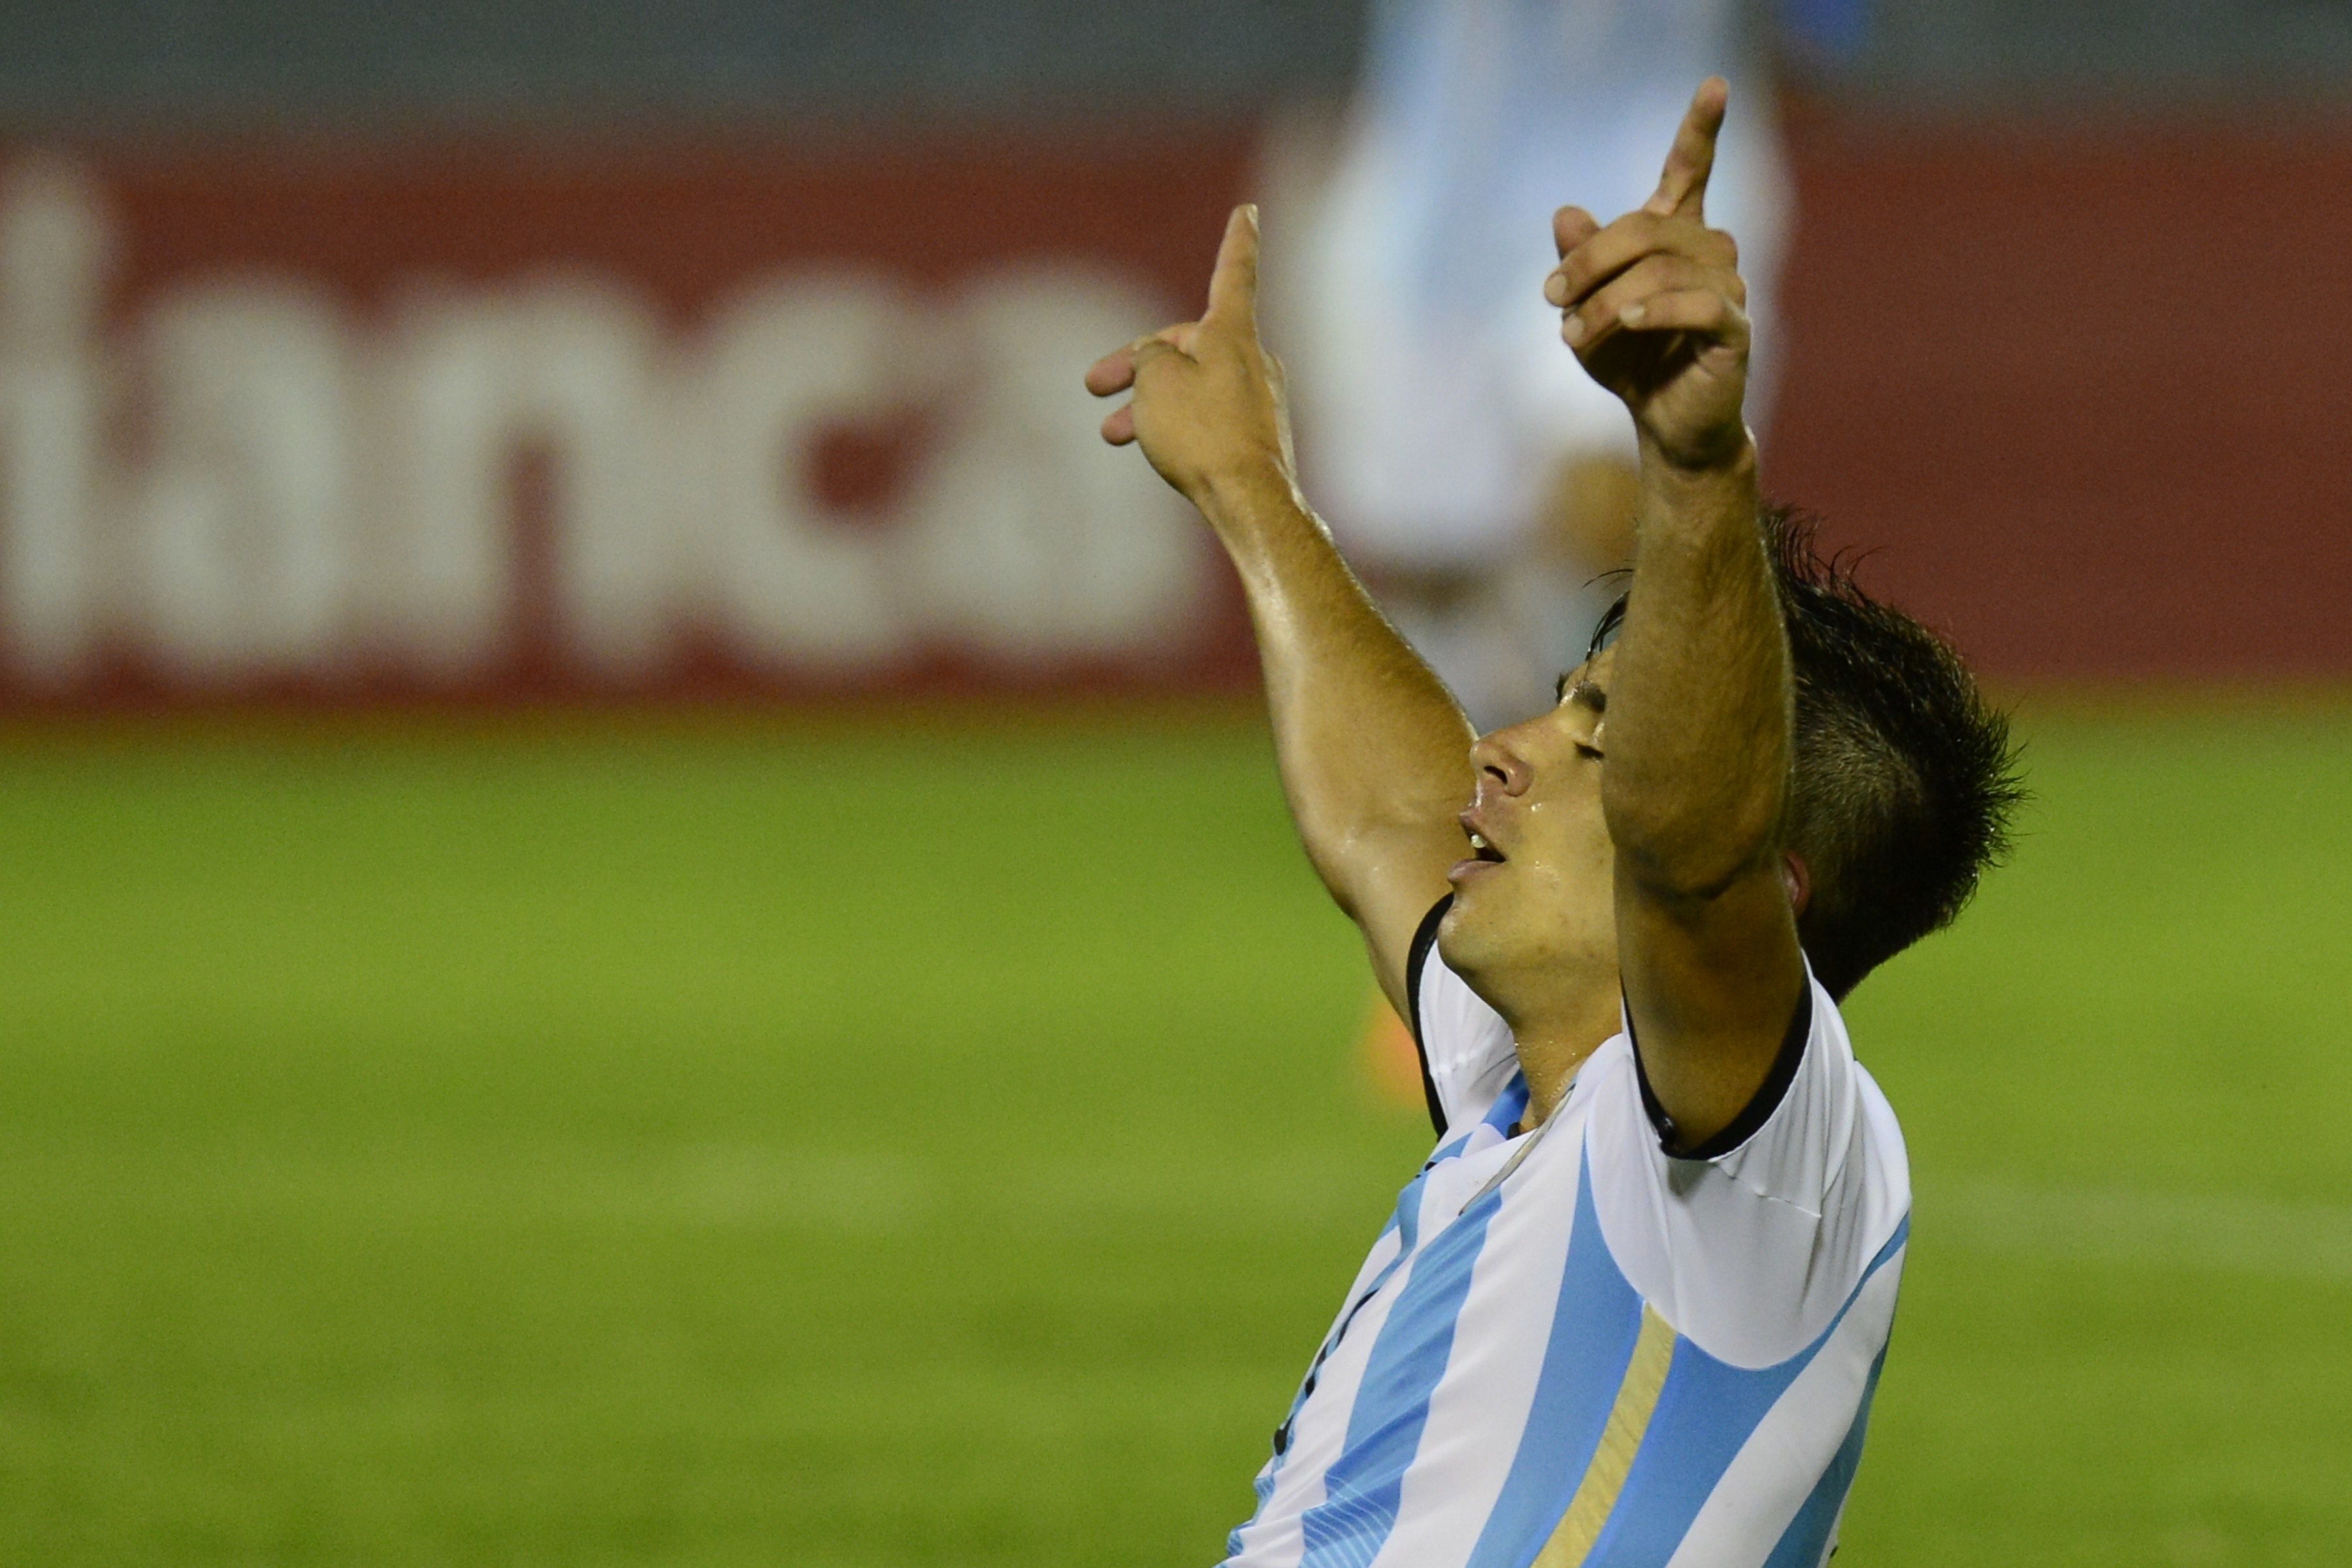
{"points": [[2074, 384], [348, 421], [790, 416]]}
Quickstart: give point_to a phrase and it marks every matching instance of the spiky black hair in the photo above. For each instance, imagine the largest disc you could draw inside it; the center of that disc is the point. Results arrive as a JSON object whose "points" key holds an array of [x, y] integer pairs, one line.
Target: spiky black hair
{"points": [[1904, 777]]}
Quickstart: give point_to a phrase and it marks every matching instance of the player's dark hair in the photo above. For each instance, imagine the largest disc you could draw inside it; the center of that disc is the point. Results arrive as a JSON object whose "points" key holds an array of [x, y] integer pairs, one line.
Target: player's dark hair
{"points": [[1904, 776]]}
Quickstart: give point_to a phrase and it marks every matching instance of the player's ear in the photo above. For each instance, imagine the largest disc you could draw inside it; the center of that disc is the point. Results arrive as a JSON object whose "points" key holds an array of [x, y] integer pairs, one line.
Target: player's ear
{"points": [[1798, 879]]}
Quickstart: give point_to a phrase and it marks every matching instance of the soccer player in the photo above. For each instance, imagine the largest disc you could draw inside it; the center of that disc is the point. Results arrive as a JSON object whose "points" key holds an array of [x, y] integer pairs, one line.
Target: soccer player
{"points": [[1633, 1310]]}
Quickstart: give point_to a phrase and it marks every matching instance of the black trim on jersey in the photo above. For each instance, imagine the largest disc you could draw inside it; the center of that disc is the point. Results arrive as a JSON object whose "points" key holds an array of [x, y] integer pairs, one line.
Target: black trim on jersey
{"points": [[1760, 1105], [1415, 957]]}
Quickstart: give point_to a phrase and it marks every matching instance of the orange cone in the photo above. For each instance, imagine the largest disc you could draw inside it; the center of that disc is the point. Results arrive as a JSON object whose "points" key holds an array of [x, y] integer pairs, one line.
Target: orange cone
{"points": [[1391, 1059]]}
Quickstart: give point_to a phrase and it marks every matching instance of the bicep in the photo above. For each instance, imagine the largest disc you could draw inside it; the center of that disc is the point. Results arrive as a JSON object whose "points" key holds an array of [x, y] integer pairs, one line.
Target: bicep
{"points": [[1710, 986]]}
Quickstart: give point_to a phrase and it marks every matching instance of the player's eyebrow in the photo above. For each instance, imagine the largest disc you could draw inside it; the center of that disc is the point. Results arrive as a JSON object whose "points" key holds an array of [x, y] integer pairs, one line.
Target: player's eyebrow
{"points": [[1583, 693]]}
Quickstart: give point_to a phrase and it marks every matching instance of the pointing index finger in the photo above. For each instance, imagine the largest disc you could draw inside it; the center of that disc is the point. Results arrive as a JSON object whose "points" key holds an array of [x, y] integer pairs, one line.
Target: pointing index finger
{"points": [[1233, 286], [1682, 188]]}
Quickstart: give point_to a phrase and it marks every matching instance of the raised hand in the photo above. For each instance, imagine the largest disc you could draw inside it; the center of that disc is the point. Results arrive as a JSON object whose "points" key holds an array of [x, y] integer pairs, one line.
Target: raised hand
{"points": [[1654, 304], [1208, 407]]}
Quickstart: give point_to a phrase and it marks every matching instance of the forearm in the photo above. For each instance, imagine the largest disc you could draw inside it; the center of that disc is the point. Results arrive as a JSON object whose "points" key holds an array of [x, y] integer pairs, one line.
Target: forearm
{"points": [[1373, 751], [1700, 702]]}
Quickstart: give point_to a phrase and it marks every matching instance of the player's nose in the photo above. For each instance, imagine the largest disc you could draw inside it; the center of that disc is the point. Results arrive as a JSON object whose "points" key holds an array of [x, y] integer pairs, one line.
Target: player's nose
{"points": [[1499, 765]]}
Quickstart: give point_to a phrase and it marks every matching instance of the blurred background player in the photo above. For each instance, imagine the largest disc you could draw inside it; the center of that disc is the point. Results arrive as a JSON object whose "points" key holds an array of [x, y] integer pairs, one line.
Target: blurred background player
{"points": [[1477, 476], [1482, 483]]}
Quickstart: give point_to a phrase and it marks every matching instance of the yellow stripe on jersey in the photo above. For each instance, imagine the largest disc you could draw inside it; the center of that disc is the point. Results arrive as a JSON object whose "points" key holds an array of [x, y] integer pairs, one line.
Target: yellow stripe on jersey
{"points": [[1620, 1439]]}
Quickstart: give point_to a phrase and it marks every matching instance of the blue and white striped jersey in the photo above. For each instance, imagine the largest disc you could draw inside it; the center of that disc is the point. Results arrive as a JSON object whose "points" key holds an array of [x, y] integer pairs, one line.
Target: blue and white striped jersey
{"points": [[1570, 1348]]}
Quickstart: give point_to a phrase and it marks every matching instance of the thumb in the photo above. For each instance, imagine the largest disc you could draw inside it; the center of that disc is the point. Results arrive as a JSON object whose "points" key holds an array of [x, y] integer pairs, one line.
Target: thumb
{"points": [[1571, 226], [1233, 286], [1113, 373]]}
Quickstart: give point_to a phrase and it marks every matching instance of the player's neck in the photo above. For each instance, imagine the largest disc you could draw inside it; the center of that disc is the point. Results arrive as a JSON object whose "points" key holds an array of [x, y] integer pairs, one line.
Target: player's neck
{"points": [[1554, 1039]]}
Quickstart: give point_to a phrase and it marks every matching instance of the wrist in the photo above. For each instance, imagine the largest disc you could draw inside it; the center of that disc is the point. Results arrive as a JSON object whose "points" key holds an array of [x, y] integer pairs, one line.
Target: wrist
{"points": [[1231, 499], [1728, 454]]}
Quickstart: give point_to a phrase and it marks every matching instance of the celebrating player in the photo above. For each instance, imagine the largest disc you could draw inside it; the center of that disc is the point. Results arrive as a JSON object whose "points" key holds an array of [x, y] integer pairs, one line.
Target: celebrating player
{"points": [[1633, 1310]]}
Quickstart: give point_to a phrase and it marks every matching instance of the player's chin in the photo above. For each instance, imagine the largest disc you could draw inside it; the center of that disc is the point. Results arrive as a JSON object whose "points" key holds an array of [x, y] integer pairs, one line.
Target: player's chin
{"points": [[1467, 914], [1465, 935]]}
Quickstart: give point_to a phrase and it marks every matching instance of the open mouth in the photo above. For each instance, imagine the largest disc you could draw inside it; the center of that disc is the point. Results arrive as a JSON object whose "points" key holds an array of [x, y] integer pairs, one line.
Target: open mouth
{"points": [[1482, 850]]}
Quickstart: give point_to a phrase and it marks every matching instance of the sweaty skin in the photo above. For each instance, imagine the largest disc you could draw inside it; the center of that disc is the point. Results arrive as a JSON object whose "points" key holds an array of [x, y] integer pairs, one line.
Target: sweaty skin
{"points": [[1631, 834]]}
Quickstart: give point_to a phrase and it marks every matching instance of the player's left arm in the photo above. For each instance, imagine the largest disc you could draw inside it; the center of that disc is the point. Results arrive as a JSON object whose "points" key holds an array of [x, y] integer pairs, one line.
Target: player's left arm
{"points": [[1698, 738]]}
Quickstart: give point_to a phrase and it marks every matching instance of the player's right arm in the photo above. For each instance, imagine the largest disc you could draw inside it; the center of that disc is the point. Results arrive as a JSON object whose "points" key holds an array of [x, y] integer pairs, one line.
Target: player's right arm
{"points": [[1374, 752]]}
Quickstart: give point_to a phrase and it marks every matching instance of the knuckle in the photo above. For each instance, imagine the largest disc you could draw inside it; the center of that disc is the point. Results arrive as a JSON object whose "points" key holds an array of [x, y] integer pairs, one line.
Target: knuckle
{"points": [[1668, 271]]}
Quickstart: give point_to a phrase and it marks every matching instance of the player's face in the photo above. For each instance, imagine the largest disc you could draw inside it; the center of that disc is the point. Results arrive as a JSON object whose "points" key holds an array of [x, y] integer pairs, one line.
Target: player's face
{"points": [[1534, 896]]}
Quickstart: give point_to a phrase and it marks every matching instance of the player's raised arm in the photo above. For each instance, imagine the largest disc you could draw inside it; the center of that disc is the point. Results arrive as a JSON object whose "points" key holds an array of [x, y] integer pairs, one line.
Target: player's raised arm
{"points": [[1375, 753], [1698, 738]]}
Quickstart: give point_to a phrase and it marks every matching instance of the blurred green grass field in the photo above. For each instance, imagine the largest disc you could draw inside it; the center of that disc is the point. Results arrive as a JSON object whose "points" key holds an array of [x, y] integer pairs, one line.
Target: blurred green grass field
{"points": [[850, 1146]]}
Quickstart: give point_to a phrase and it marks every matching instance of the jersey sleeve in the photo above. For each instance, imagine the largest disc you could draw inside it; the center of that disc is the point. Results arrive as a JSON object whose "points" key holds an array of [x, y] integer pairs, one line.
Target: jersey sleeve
{"points": [[1467, 1057], [1752, 1242]]}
